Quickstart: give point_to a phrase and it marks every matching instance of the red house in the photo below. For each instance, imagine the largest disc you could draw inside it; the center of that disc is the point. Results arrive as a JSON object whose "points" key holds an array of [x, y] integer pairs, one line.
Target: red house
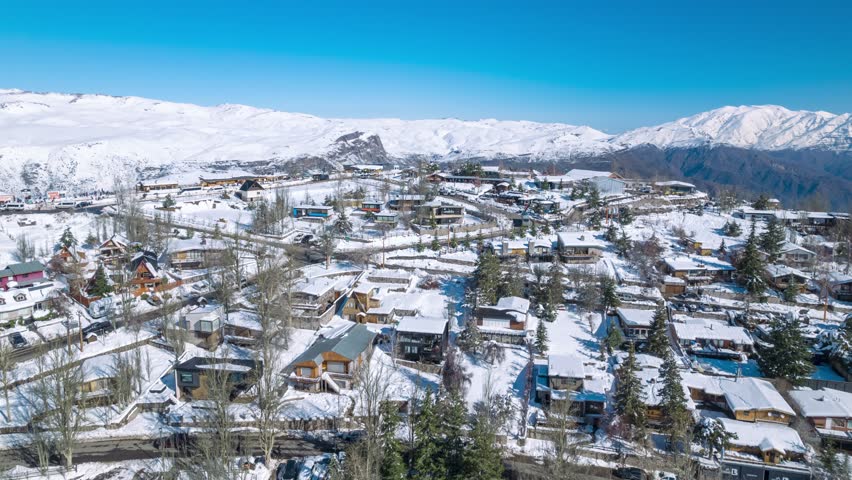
{"points": [[24, 274]]}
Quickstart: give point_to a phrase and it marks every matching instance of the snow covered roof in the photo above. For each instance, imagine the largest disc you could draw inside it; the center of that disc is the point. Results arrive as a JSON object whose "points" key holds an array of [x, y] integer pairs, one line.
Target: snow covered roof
{"points": [[578, 239], [430, 325], [635, 317], [704, 329], [669, 280], [792, 247], [347, 340], [778, 270], [516, 304], [577, 174], [566, 366], [765, 436], [823, 403], [316, 287], [749, 393], [695, 262], [674, 183], [314, 207]]}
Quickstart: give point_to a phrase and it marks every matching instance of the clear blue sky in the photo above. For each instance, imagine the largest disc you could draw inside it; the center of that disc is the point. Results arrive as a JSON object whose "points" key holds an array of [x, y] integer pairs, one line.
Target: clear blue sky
{"points": [[614, 67]]}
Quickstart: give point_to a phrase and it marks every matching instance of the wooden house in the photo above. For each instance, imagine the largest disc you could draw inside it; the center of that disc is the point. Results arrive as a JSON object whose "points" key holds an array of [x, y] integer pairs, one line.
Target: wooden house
{"points": [[194, 379], [330, 363], [204, 325], [422, 339], [579, 247], [505, 322], [829, 412], [250, 191]]}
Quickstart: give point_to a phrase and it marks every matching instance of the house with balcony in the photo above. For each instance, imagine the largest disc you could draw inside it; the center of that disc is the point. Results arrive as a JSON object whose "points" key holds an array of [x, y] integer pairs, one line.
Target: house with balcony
{"points": [[405, 202], [572, 379], [699, 270], [540, 250], [828, 411], [840, 286], [578, 247], [766, 451], [386, 218], [505, 322], [331, 362], [145, 272], [195, 377], [747, 399], [674, 187], [422, 339], [313, 211], [18, 275], [114, 250], [204, 325], [780, 276], [250, 191], [314, 301], [713, 338], [439, 213], [794, 255], [192, 253], [374, 206], [635, 323]]}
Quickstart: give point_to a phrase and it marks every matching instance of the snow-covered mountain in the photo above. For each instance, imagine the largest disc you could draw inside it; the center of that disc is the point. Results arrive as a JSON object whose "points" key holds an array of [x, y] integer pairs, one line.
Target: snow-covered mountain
{"points": [[766, 127], [52, 140]]}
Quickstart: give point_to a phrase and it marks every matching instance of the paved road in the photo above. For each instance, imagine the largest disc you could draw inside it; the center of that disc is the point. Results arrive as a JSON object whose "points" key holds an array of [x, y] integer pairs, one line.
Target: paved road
{"points": [[113, 450]]}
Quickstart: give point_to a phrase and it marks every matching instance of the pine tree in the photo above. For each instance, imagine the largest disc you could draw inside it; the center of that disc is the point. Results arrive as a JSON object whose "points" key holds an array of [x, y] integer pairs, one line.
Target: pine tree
{"points": [[91, 239], [453, 415], [483, 457], [555, 284], [393, 465], [419, 247], [611, 233], [426, 453], [533, 231], [435, 245], [101, 286], [772, 239], [625, 216], [628, 395], [788, 355], [723, 249], [609, 295], [673, 399], [792, 290], [168, 202], [762, 202], [470, 339], [342, 226], [545, 229], [487, 277], [614, 339], [593, 198], [750, 268], [732, 229], [658, 340], [67, 239], [623, 244], [466, 240], [541, 338], [827, 458]]}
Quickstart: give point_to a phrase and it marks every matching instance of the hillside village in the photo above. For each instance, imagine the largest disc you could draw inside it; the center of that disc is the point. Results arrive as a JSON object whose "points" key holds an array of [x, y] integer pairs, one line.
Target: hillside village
{"points": [[417, 322]]}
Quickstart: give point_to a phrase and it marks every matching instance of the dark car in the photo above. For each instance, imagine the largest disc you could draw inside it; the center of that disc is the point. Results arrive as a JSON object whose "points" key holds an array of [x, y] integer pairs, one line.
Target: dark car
{"points": [[630, 473], [97, 328], [307, 239], [288, 471], [17, 340]]}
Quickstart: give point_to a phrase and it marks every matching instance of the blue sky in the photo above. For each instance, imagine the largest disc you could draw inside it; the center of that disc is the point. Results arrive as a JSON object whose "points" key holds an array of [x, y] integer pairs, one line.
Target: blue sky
{"points": [[613, 66]]}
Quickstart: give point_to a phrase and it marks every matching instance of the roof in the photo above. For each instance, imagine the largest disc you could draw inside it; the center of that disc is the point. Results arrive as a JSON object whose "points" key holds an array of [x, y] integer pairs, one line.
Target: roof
{"points": [[349, 343], [430, 325], [792, 247], [22, 269], [635, 317], [209, 363], [765, 436], [566, 366], [823, 403], [674, 183], [748, 393], [695, 262], [250, 185], [579, 174], [778, 270], [316, 287], [578, 239], [702, 328], [516, 304], [314, 207]]}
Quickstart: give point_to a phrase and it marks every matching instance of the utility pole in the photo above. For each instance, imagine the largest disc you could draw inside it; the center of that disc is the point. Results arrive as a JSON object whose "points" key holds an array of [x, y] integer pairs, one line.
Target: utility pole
{"points": [[80, 326]]}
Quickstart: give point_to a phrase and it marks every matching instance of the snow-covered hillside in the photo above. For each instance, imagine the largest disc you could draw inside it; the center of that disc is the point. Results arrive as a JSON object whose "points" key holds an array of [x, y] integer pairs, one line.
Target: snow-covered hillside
{"points": [[51, 140], [767, 127]]}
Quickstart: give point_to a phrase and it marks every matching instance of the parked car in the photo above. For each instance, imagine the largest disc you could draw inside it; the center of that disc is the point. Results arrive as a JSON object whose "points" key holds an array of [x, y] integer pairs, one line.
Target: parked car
{"points": [[630, 473], [17, 340], [154, 300], [97, 328], [307, 239], [288, 470]]}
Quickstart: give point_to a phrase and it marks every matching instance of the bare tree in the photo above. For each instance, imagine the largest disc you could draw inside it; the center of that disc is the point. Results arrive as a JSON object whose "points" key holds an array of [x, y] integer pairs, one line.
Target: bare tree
{"points": [[217, 442], [124, 374], [560, 460], [373, 382], [6, 365], [24, 248], [59, 394]]}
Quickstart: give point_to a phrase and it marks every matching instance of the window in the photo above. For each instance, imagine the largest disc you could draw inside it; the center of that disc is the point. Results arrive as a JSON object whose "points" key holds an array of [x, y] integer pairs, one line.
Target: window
{"points": [[20, 297], [335, 367], [2, 301], [205, 326], [306, 372], [411, 349], [38, 306], [186, 378]]}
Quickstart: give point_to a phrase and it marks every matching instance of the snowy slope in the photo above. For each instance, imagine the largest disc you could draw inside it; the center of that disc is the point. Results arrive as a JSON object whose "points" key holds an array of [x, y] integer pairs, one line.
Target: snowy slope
{"points": [[767, 127], [94, 137], [51, 140]]}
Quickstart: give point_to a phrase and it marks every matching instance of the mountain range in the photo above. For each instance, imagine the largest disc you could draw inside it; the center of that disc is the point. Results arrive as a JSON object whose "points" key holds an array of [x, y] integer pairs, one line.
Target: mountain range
{"points": [[84, 141]]}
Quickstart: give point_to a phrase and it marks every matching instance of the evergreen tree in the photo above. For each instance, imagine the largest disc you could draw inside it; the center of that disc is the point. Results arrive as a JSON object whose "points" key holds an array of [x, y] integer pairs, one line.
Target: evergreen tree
{"points": [[533, 231], [483, 457], [426, 453], [419, 247], [67, 239], [393, 466], [595, 219], [168, 202], [658, 340], [100, 286], [593, 198], [787, 354], [609, 295], [342, 226], [545, 229], [628, 395], [555, 284], [611, 233], [470, 339], [762, 202], [487, 277], [453, 415], [827, 458], [623, 244], [466, 240], [723, 249], [453, 242], [673, 399], [772, 239], [91, 239], [541, 338], [732, 229], [792, 290], [614, 339], [750, 268], [625, 216], [435, 245], [712, 434]]}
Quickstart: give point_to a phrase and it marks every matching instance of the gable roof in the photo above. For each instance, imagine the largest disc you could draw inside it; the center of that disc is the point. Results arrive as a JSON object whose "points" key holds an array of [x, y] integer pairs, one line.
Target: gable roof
{"points": [[22, 269], [823, 403], [635, 317], [567, 366], [250, 185], [348, 344], [765, 436], [428, 325]]}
